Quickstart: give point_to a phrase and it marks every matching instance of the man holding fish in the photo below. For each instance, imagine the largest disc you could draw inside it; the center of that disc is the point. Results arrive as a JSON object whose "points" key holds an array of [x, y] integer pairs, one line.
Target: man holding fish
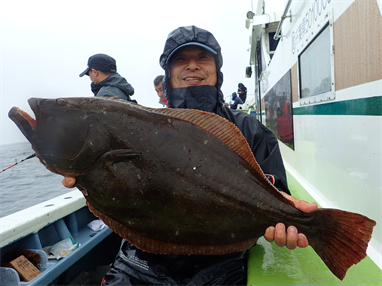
{"points": [[192, 61]]}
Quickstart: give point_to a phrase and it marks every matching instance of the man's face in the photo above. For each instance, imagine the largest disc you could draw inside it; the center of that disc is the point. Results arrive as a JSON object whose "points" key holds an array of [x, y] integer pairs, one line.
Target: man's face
{"points": [[192, 66], [95, 76], [158, 89], [92, 75]]}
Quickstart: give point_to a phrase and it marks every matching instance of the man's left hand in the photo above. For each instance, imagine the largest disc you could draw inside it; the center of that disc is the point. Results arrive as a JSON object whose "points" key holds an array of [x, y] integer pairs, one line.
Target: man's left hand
{"points": [[290, 237], [69, 182]]}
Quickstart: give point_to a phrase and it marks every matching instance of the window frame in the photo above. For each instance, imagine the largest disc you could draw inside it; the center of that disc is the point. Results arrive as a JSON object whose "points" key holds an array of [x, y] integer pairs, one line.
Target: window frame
{"points": [[328, 95]]}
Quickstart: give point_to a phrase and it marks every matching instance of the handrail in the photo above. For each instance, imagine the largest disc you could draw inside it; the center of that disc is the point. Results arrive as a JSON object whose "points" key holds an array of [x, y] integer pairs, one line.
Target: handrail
{"points": [[277, 36]]}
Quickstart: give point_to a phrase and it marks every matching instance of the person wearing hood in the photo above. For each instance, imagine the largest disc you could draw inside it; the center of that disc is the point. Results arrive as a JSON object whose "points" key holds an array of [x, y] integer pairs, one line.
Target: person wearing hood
{"points": [[242, 91], [236, 100], [192, 63], [106, 82]]}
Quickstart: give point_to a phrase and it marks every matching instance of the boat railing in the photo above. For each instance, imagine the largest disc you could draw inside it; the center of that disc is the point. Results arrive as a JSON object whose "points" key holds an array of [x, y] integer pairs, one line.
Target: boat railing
{"points": [[46, 224]]}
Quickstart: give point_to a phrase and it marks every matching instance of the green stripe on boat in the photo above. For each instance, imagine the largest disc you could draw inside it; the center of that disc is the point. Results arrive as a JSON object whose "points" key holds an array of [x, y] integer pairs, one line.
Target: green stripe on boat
{"points": [[370, 106]]}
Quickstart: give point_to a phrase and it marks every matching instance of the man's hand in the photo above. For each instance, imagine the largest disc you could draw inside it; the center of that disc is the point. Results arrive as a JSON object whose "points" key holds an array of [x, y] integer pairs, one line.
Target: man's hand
{"points": [[290, 237], [69, 182]]}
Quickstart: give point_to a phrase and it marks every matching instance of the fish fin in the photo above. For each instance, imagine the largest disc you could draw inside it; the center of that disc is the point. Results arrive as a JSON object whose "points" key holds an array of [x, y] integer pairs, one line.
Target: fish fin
{"points": [[343, 239], [220, 127], [119, 155], [288, 198]]}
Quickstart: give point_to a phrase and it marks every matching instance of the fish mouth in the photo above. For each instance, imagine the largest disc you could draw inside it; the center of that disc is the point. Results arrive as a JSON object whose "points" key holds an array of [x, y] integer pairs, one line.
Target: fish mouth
{"points": [[25, 122], [33, 130]]}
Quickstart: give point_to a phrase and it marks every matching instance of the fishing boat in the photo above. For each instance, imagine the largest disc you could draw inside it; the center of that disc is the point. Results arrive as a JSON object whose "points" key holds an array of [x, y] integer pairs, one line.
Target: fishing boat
{"points": [[318, 87], [317, 72]]}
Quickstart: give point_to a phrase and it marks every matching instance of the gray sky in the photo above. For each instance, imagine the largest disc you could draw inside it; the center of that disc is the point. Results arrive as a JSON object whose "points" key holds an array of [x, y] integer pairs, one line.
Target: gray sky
{"points": [[45, 45]]}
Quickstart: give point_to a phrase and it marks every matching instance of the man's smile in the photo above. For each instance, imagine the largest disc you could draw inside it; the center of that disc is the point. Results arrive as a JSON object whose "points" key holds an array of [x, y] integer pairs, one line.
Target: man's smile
{"points": [[193, 79]]}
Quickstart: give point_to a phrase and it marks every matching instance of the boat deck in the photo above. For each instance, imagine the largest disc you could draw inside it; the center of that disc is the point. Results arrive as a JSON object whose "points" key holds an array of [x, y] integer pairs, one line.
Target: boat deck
{"points": [[271, 265], [65, 216]]}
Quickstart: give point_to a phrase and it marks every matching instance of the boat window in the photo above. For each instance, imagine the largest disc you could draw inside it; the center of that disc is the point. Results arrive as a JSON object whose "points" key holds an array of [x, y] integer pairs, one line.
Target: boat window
{"points": [[279, 110], [315, 69], [272, 43]]}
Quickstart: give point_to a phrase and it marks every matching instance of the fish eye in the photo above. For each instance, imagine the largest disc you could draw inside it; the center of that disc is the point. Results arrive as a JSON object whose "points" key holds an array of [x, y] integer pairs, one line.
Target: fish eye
{"points": [[50, 119], [61, 102]]}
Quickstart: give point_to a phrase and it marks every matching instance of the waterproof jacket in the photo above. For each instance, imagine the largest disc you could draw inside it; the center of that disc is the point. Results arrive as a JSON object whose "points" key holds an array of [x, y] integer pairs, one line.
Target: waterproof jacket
{"points": [[114, 85], [136, 267], [236, 100], [262, 141], [242, 91]]}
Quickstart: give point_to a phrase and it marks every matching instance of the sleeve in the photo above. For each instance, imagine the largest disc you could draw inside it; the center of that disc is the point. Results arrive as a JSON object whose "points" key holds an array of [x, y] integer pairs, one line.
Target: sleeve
{"points": [[130, 89], [264, 146], [266, 150]]}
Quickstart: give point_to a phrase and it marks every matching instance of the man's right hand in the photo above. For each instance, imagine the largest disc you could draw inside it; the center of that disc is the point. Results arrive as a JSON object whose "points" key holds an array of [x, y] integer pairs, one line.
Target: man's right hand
{"points": [[290, 237], [69, 182]]}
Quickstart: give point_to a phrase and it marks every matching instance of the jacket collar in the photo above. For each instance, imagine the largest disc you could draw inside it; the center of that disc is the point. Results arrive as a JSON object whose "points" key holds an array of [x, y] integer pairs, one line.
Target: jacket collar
{"points": [[203, 97]]}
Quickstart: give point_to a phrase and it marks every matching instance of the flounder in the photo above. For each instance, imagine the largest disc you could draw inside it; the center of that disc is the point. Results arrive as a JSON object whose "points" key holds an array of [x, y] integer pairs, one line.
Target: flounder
{"points": [[177, 181]]}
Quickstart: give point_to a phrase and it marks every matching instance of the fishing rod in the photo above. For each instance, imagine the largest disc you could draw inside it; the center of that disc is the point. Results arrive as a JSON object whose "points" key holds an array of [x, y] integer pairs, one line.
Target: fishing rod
{"points": [[17, 162]]}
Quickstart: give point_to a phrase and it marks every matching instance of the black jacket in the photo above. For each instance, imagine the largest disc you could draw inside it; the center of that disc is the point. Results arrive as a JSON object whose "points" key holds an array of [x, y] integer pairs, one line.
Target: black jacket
{"points": [[262, 141], [242, 91], [136, 267], [114, 85]]}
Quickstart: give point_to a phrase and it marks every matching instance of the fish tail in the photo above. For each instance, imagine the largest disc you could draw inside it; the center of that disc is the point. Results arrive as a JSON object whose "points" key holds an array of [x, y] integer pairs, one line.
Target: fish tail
{"points": [[342, 240]]}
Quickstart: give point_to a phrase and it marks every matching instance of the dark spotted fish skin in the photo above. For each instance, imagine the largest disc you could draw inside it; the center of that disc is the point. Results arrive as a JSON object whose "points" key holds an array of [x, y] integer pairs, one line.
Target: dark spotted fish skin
{"points": [[177, 181]]}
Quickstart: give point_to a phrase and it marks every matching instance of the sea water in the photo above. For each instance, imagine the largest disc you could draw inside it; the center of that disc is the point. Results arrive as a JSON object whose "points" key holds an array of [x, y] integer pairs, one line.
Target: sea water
{"points": [[27, 183]]}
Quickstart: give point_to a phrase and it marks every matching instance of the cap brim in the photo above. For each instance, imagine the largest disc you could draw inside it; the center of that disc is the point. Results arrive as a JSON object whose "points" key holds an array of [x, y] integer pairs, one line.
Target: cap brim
{"points": [[191, 44], [85, 72]]}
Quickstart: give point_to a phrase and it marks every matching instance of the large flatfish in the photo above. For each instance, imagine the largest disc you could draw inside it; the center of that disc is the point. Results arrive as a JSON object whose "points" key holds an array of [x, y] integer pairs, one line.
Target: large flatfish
{"points": [[177, 181]]}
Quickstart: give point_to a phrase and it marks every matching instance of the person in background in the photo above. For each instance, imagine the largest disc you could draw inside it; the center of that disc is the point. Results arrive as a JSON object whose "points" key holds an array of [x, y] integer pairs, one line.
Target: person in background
{"points": [[236, 100], [192, 61], [158, 89], [242, 91], [106, 82]]}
